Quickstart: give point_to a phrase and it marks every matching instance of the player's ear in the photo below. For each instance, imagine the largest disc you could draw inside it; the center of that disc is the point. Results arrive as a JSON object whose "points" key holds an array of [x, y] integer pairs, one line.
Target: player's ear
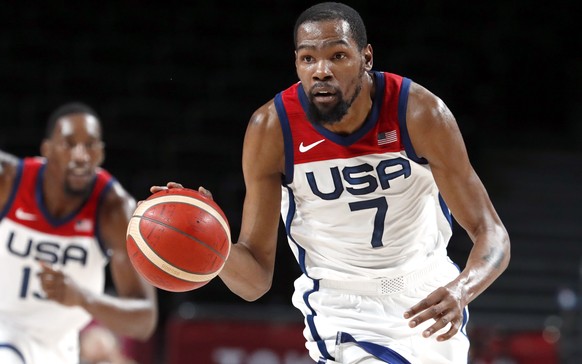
{"points": [[45, 148], [368, 57], [101, 157]]}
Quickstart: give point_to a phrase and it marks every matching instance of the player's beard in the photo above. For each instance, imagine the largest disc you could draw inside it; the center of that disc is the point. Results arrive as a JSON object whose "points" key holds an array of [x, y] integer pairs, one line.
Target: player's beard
{"points": [[84, 190], [335, 113]]}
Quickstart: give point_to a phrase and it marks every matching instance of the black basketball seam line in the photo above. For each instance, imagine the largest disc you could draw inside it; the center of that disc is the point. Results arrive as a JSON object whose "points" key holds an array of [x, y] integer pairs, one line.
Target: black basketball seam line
{"points": [[170, 264], [183, 233], [167, 262], [180, 232], [199, 208]]}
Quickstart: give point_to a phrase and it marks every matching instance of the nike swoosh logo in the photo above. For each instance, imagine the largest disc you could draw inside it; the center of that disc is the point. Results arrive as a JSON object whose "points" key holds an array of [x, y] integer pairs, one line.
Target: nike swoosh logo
{"points": [[22, 215], [305, 148]]}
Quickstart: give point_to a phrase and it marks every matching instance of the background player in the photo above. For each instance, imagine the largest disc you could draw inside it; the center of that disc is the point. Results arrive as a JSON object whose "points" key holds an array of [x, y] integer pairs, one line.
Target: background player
{"points": [[62, 220]]}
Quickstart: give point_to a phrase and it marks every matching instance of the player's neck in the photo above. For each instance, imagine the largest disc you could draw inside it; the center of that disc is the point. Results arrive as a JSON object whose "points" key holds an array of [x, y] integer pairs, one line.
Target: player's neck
{"points": [[57, 202], [359, 110]]}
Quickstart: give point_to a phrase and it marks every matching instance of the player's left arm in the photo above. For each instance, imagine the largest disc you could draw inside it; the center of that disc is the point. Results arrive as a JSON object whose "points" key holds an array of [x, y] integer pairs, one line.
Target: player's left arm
{"points": [[133, 312], [436, 137]]}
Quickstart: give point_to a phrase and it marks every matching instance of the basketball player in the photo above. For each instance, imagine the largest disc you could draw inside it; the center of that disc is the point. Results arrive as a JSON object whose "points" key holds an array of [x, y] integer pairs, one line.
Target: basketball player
{"points": [[62, 220], [366, 168]]}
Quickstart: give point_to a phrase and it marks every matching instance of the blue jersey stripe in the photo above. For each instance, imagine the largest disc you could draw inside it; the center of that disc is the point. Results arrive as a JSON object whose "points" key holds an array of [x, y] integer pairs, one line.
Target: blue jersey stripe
{"points": [[381, 352], [301, 259], [15, 185], [402, 107], [445, 210], [14, 349], [102, 195], [287, 137]]}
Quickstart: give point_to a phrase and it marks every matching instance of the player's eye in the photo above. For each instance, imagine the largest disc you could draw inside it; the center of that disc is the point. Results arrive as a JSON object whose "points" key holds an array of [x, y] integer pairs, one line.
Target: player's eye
{"points": [[91, 146], [307, 59], [67, 144]]}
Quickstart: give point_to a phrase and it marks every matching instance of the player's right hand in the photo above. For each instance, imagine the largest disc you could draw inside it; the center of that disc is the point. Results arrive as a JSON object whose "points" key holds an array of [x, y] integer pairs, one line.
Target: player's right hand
{"points": [[59, 287], [169, 185], [154, 189]]}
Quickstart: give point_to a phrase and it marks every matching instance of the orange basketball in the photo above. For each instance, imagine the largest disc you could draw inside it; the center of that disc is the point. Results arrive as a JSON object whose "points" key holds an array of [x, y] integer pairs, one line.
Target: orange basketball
{"points": [[178, 239]]}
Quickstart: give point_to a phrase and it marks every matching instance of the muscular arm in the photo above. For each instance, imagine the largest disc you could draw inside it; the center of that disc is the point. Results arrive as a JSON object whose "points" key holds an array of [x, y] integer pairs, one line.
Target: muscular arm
{"points": [[436, 137], [133, 312], [248, 271]]}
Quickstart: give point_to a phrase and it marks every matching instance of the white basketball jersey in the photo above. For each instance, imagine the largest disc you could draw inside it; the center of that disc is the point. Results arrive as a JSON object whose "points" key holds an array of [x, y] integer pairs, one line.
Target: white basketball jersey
{"points": [[362, 205], [29, 235]]}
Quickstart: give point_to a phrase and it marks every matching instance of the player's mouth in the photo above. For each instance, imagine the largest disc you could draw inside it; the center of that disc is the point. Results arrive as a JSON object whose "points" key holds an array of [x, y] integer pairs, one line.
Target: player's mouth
{"points": [[79, 176], [323, 95]]}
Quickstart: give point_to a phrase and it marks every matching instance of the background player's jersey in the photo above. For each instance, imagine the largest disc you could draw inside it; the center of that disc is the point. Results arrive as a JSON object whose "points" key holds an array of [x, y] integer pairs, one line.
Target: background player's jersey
{"points": [[28, 235], [362, 205]]}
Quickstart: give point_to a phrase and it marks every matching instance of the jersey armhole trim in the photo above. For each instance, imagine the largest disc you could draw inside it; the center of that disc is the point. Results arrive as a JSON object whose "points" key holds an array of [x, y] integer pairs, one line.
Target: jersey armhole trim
{"points": [[101, 198], [445, 210], [287, 137], [13, 349], [15, 186], [402, 107]]}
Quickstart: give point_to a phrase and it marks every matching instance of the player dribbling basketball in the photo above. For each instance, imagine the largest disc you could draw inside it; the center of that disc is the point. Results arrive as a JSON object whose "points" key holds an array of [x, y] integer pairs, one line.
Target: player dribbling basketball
{"points": [[365, 168]]}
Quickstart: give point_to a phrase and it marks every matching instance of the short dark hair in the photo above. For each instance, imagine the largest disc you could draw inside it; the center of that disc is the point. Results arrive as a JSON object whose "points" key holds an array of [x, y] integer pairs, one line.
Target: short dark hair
{"points": [[67, 109], [335, 11]]}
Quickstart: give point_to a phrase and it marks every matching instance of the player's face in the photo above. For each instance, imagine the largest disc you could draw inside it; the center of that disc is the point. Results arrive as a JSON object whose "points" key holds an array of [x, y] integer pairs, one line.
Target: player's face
{"points": [[330, 68], [75, 150]]}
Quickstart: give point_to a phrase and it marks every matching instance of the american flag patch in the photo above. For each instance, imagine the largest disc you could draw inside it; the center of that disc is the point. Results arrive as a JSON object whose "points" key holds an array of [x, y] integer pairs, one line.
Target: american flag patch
{"points": [[84, 225], [387, 137]]}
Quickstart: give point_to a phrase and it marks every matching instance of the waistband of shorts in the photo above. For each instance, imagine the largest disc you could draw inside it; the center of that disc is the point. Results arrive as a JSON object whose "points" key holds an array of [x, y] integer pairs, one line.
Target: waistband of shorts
{"points": [[385, 286]]}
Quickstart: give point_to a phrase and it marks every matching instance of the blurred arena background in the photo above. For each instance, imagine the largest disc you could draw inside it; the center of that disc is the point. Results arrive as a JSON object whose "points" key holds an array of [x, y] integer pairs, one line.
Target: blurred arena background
{"points": [[175, 83]]}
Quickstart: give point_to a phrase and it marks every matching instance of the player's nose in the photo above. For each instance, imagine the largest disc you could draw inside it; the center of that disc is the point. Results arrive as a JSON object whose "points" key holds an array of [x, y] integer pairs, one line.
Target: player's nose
{"points": [[80, 152], [322, 70]]}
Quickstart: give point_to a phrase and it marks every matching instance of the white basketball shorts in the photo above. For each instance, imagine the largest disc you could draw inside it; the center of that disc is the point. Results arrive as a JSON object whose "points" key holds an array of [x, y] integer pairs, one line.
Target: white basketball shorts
{"points": [[18, 346], [362, 322]]}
